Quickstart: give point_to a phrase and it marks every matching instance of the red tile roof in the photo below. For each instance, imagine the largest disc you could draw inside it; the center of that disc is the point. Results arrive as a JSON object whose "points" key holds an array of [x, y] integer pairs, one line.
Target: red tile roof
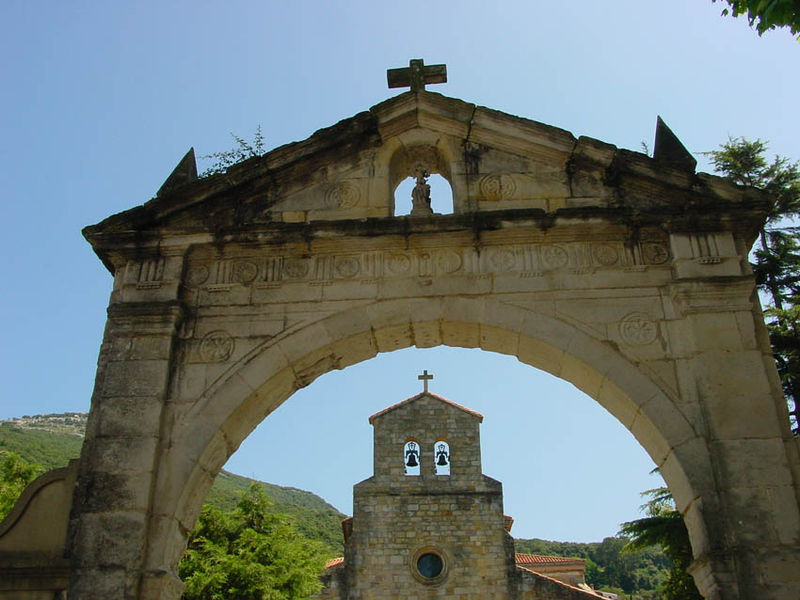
{"points": [[520, 559], [542, 559], [476, 414], [508, 522], [334, 562]]}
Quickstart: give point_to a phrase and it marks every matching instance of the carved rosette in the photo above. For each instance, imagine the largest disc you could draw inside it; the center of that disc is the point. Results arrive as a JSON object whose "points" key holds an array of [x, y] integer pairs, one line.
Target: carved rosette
{"points": [[344, 194], [638, 329], [497, 187], [655, 253], [196, 275], [504, 260], [554, 257], [295, 268], [244, 272], [447, 261], [605, 255], [216, 346], [347, 266], [397, 264]]}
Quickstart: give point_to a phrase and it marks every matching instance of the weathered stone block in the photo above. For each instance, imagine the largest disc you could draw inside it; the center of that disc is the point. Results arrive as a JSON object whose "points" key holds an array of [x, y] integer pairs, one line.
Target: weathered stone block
{"points": [[135, 378]]}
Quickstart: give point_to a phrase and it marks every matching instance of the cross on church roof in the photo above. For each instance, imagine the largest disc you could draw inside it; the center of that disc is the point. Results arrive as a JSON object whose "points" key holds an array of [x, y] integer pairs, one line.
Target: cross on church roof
{"points": [[424, 378], [416, 75]]}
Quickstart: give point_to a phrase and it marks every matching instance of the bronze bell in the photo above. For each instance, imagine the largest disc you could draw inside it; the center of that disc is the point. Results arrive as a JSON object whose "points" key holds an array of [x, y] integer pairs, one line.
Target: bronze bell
{"points": [[442, 457], [411, 455]]}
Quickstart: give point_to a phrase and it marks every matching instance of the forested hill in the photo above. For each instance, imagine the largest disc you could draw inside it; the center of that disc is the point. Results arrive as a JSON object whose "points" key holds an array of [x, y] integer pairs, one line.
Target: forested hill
{"points": [[52, 440]]}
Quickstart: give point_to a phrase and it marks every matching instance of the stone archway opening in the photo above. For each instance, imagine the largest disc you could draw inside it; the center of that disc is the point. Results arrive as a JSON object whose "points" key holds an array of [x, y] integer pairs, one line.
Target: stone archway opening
{"points": [[553, 347], [545, 440], [441, 196], [584, 481]]}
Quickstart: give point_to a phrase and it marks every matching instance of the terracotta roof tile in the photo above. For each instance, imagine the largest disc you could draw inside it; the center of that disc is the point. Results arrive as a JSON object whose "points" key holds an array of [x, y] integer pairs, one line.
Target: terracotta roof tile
{"points": [[508, 522], [543, 559], [474, 413], [334, 562]]}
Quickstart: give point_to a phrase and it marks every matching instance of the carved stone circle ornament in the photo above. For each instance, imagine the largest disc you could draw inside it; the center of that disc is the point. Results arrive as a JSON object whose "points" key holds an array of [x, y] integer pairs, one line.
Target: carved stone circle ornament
{"points": [[655, 254], [196, 275], [216, 346], [554, 257], [344, 194], [638, 329], [605, 255], [497, 187], [244, 272]]}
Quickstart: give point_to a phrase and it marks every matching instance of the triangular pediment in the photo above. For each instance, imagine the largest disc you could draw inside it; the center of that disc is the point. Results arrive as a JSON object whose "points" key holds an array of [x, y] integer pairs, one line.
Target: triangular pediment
{"points": [[349, 172], [422, 396]]}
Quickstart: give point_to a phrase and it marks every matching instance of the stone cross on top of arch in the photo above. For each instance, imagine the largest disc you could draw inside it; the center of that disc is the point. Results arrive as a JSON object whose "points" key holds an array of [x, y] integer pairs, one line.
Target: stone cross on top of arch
{"points": [[416, 75], [425, 378]]}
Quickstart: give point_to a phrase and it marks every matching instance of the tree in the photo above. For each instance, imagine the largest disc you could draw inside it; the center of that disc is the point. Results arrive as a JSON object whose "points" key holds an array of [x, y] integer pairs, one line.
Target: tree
{"points": [[15, 474], [663, 526], [250, 554], [766, 14], [777, 258]]}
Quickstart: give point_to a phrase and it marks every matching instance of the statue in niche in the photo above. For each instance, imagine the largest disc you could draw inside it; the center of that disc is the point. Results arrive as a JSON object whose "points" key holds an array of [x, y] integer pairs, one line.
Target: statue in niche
{"points": [[421, 195]]}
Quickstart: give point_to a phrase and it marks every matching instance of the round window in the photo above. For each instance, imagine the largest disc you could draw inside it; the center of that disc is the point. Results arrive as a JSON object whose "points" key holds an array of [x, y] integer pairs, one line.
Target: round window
{"points": [[430, 565]]}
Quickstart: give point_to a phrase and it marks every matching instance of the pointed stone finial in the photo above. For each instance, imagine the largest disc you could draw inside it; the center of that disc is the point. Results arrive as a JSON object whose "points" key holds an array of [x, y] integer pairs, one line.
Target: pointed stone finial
{"points": [[185, 172], [669, 149]]}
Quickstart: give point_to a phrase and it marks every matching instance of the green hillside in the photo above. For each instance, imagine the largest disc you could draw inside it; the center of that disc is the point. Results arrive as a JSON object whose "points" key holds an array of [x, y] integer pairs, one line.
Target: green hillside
{"points": [[51, 449], [52, 440]]}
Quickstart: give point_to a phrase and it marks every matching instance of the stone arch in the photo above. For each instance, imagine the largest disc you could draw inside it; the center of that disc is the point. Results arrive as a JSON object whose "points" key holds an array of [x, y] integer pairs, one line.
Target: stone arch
{"points": [[234, 405], [623, 274]]}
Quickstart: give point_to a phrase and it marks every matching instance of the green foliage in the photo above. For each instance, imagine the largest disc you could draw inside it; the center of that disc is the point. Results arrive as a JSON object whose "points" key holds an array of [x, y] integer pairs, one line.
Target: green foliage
{"points": [[239, 153], [766, 14], [314, 517], [250, 553], [637, 574], [663, 526], [15, 474], [777, 258]]}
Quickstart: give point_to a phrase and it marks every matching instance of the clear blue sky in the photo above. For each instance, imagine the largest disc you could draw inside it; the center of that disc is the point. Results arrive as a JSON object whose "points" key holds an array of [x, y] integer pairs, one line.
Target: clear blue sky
{"points": [[99, 101]]}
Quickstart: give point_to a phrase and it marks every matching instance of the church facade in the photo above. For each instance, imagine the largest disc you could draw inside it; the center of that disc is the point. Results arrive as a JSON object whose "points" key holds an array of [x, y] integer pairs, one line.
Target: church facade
{"points": [[429, 523]]}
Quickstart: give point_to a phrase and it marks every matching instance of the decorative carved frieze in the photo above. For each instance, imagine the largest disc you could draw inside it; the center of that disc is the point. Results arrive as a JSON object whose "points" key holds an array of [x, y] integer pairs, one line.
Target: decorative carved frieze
{"points": [[521, 260], [147, 273]]}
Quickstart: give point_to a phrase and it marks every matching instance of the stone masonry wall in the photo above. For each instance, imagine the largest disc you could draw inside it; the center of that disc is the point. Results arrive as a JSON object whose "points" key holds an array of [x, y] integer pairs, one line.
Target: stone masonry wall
{"points": [[397, 518], [390, 531]]}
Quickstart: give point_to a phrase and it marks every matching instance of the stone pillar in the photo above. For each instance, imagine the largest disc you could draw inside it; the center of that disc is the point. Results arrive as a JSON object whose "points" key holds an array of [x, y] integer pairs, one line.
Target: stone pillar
{"points": [[113, 496], [748, 511]]}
